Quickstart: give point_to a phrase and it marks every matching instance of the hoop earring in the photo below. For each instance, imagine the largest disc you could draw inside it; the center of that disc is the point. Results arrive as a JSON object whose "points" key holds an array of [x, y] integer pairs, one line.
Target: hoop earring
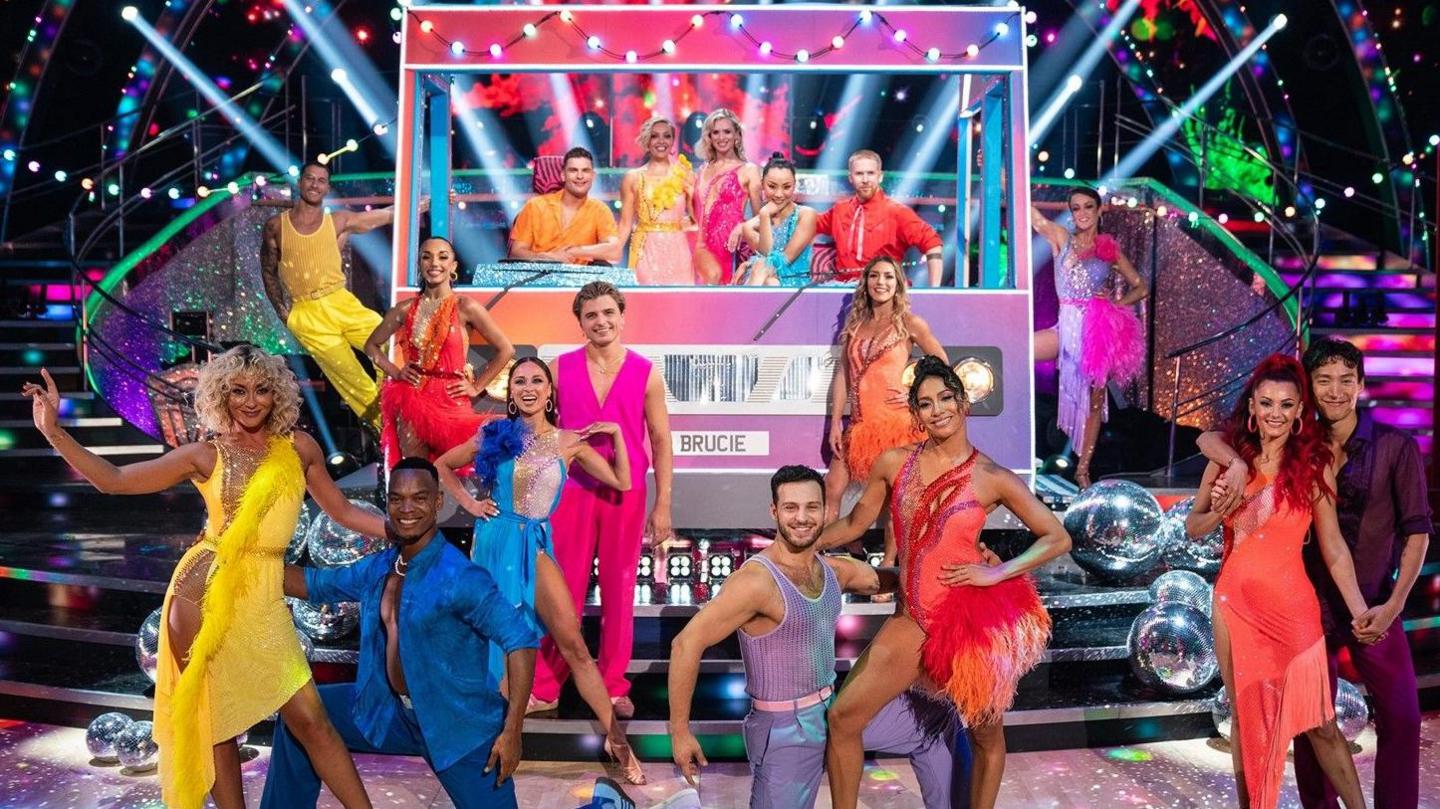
{"points": [[1297, 428], [549, 405], [1251, 424], [454, 276], [510, 407]]}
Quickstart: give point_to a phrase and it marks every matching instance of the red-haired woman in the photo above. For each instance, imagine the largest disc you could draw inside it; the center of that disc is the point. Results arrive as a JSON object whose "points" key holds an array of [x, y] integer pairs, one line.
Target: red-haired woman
{"points": [[1267, 619]]}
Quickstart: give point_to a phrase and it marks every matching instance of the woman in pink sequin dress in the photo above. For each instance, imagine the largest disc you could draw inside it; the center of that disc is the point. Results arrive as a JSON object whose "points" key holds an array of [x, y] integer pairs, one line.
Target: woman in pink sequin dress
{"points": [[724, 184], [655, 209]]}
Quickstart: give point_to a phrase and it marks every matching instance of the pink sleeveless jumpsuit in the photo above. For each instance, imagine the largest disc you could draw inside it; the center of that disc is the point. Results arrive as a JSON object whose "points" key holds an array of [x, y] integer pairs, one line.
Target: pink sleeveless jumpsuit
{"points": [[594, 519]]}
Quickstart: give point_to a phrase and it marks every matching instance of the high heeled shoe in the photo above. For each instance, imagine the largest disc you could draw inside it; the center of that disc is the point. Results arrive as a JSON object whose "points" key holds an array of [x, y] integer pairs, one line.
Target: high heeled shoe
{"points": [[629, 764]]}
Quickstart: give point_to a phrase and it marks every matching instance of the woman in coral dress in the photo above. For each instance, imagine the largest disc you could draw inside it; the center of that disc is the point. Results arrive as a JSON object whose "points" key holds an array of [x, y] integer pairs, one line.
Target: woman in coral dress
{"points": [[1268, 636], [425, 402], [968, 626], [724, 184], [655, 210], [521, 463], [1098, 339], [875, 345], [229, 656]]}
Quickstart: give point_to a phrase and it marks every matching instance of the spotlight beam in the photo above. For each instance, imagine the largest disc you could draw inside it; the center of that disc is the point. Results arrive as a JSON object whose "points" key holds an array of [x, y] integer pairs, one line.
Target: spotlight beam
{"points": [[276, 155], [357, 76], [1080, 71], [1132, 162]]}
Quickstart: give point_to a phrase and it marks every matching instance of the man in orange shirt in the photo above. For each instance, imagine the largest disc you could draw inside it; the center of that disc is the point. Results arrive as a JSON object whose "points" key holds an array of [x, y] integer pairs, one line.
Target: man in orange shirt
{"points": [[870, 224], [567, 225]]}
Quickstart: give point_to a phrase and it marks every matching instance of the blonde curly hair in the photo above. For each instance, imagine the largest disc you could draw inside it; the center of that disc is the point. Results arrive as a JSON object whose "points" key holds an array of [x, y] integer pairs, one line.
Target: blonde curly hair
{"points": [[862, 308], [648, 128], [705, 150], [212, 392]]}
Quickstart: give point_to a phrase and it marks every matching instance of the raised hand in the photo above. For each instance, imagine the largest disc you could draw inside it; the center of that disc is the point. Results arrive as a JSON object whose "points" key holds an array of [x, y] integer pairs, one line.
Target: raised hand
{"points": [[44, 403]]}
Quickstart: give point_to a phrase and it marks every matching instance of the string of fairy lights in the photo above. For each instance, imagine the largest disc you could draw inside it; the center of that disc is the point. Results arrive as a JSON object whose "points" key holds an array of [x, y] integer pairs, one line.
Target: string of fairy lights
{"points": [[669, 46]]}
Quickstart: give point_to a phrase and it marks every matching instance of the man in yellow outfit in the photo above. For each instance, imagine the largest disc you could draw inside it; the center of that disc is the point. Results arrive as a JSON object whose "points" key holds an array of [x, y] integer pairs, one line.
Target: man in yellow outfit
{"points": [[300, 265]]}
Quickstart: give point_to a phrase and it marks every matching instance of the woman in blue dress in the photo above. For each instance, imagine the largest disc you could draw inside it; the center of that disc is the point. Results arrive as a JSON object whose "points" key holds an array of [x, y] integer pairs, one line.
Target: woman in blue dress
{"points": [[780, 234], [521, 462]]}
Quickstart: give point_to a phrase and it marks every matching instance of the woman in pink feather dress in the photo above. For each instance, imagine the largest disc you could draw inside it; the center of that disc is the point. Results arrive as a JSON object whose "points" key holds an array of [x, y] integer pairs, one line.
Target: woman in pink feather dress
{"points": [[1098, 339]]}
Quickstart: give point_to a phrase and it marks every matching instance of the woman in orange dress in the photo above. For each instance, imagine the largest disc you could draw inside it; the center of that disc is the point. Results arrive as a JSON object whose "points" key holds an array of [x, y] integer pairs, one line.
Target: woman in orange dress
{"points": [[425, 402], [968, 626], [875, 344], [1267, 620]]}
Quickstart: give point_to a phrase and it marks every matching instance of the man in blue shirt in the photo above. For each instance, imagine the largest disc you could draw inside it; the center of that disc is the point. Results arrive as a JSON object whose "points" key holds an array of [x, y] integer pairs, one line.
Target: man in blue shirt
{"points": [[427, 617]]}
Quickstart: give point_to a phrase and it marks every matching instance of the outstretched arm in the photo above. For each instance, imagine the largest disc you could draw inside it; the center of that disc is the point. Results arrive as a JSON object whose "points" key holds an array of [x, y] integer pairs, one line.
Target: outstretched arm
{"points": [[328, 496], [350, 222], [999, 485], [191, 460], [853, 525], [731, 608], [860, 578], [1051, 232]]}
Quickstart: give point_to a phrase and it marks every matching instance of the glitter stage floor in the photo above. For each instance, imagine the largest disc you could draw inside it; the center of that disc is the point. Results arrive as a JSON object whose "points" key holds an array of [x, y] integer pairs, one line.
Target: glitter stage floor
{"points": [[45, 766]]}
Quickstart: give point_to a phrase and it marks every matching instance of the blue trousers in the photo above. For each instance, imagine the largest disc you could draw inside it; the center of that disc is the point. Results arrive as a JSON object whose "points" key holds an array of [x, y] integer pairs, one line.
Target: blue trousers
{"points": [[786, 750], [292, 781]]}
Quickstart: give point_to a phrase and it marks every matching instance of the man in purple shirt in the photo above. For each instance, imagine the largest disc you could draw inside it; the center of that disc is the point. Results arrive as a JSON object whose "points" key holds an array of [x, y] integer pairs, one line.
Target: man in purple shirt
{"points": [[1385, 519]]}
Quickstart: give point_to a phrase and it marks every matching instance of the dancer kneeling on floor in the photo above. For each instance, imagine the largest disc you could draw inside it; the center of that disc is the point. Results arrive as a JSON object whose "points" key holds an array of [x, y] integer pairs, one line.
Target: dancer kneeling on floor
{"points": [[522, 462], [427, 620], [784, 604], [967, 627]]}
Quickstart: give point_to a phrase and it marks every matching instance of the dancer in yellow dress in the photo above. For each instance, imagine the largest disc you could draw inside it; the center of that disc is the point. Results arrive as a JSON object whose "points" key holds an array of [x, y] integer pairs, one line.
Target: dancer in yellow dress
{"points": [[229, 656]]}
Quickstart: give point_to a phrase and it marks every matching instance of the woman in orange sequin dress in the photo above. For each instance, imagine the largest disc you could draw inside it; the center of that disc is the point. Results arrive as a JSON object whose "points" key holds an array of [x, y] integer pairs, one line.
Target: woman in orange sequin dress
{"points": [[1268, 636], [875, 344], [425, 402], [968, 626], [655, 210]]}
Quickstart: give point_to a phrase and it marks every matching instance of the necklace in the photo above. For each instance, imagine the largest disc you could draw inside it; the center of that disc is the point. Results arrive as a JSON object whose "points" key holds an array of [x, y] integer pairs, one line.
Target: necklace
{"points": [[399, 570], [604, 368]]}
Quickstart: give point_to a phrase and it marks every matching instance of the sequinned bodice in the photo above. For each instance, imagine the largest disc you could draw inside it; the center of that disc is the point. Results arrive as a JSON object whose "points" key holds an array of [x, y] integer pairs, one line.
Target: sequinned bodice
{"points": [[529, 485], [875, 365], [935, 524], [1079, 277], [235, 466]]}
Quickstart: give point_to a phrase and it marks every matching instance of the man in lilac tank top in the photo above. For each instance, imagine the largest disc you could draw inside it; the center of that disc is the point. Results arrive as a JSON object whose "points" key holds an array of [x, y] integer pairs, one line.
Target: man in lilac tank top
{"points": [[785, 603], [605, 381]]}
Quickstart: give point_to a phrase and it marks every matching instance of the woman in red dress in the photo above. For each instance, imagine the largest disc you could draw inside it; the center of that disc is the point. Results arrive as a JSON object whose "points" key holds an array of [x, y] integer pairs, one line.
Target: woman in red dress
{"points": [[968, 626], [425, 401], [1268, 636]]}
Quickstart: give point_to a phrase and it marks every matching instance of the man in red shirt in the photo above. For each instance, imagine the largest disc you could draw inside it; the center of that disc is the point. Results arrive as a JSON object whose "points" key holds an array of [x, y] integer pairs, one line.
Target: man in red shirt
{"points": [[870, 224]]}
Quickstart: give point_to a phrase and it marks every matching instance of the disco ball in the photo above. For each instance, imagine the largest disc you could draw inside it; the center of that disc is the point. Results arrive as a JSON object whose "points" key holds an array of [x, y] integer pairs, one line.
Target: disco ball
{"points": [[1182, 587], [1195, 554], [298, 540], [147, 644], [332, 545], [1220, 711], [1114, 525], [1172, 648], [325, 622], [101, 734], [1351, 712], [136, 747]]}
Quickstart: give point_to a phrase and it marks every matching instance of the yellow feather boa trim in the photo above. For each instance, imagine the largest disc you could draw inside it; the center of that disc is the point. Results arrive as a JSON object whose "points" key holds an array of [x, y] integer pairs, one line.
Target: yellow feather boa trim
{"points": [[665, 192], [279, 476]]}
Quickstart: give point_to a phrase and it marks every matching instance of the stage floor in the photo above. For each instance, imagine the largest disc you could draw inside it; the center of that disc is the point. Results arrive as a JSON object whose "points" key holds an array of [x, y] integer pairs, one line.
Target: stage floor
{"points": [[42, 765]]}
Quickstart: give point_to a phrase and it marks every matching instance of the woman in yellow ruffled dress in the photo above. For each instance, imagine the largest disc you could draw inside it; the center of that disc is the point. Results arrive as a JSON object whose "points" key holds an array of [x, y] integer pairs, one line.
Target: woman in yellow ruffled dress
{"points": [[229, 656], [655, 209]]}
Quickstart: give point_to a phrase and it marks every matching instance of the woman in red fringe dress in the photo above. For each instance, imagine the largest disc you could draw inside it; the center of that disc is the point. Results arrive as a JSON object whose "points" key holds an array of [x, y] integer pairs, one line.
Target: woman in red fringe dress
{"points": [[1268, 636], [425, 401], [968, 626]]}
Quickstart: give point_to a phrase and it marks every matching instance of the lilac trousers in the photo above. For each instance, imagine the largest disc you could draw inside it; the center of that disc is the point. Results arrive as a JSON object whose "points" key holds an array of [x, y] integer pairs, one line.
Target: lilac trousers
{"points": [[786, 750], [1388, 673]]}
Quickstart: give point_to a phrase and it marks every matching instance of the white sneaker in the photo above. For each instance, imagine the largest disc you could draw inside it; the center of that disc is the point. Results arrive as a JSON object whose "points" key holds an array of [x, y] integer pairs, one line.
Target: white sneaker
{"points": [[686, 798]]}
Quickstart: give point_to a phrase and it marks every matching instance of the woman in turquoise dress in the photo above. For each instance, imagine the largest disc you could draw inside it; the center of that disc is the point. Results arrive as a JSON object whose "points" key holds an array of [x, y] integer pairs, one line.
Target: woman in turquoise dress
{"points": [[780, 234], [521, 462]]}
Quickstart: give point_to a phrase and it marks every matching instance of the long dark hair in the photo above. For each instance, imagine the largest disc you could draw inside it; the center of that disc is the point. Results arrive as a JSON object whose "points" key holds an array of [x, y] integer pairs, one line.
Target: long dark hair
{"points": [[552, 411], [1306, 455]]}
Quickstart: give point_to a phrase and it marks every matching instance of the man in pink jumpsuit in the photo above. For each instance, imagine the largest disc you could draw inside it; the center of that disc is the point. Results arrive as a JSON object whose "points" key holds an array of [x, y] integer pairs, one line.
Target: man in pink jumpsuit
{"points": [[604, 381]]}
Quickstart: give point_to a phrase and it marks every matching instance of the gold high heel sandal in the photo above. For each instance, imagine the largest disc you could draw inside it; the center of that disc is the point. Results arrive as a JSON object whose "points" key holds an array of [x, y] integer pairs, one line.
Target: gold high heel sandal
{"points": [[630, 767]]}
